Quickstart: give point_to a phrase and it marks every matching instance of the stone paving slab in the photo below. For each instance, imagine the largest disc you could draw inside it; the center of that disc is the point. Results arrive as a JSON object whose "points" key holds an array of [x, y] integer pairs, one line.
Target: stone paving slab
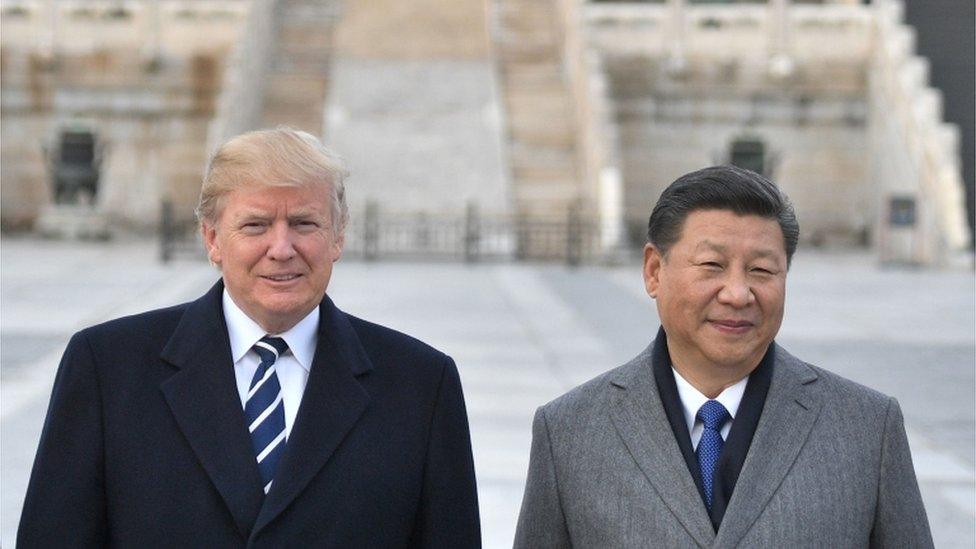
{"points": [[524, 334]]}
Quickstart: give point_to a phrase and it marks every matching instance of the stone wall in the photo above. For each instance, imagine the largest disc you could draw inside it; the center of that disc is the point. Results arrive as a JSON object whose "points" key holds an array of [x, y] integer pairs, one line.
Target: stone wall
{"points": [[143, 76], [681, 98], [816, 149], [834, 92]]}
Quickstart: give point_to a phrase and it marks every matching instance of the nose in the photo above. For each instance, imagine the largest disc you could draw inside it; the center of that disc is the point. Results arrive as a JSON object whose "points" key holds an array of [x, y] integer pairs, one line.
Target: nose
{"points": [[281, 246], [736, 291]]}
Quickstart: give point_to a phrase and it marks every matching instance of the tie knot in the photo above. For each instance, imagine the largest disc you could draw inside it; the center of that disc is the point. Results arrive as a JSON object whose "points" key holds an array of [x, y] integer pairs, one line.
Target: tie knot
{"points": [[713, 414], [270, 348]]}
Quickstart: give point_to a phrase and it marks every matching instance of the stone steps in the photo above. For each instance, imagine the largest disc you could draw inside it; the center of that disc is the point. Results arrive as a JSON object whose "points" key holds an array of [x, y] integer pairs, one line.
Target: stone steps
{"points": [[542, 135], [298, 78]]}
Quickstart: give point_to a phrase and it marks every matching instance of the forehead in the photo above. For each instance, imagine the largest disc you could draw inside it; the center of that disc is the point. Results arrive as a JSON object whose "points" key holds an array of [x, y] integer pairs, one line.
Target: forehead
{"points": [[727, 229], [272, 198]]}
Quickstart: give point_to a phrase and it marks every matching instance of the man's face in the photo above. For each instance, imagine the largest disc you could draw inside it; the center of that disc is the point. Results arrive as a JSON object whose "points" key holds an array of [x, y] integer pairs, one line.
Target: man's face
{"points": [[275, 248], [720, 291]]}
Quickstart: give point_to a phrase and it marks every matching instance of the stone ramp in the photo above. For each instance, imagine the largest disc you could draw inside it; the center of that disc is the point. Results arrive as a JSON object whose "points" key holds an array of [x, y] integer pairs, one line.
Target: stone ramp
{"points": [[541, 125], [413, 107]]}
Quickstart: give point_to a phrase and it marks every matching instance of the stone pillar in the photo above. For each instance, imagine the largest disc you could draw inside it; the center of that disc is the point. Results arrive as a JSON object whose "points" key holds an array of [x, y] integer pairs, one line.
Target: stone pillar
{"points": [[151, 49], [781, 65], [47, 46], [611, 210], [677, 63]]}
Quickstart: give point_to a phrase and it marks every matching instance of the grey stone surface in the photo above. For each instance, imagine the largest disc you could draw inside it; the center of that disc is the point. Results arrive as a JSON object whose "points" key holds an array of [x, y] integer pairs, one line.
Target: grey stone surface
{"points": [[523, 334], [420, 135]]}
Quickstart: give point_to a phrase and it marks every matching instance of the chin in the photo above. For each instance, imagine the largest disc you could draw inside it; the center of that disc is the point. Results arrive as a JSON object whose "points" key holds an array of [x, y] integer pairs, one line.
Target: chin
{"points": [[729, 358], [292, 310], [281, 310]]}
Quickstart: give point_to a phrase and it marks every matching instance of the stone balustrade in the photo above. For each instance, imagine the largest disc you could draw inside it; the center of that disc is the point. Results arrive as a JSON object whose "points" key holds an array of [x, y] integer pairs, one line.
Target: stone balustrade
{"points": [[168, 28], [717, 32]]}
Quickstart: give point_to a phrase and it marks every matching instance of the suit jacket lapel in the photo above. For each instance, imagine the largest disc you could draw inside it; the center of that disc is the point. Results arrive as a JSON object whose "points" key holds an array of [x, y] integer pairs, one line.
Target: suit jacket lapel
{"points": [[638, 416], [332, 403], [203, 398], [791, 409]]}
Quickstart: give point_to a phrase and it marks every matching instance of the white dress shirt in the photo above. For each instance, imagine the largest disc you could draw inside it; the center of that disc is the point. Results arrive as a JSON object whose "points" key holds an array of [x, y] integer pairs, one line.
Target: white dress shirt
{"points": [[292, 367], [692, 400]]}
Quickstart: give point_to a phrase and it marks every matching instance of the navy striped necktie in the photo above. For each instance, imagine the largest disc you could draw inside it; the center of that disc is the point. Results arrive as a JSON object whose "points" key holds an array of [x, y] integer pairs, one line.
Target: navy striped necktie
{"points": [[264, 410]]}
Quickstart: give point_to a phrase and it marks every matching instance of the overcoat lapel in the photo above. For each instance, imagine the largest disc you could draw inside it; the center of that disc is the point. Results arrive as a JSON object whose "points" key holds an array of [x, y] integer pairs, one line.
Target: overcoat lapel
{"points": [[638, 416], [203, 398], [332, 403], [792, 406]]}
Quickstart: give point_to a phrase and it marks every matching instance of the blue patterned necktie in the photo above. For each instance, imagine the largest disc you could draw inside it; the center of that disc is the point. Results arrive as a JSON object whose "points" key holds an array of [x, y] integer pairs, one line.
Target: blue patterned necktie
{"points": [[264, 410], [713, 415]]}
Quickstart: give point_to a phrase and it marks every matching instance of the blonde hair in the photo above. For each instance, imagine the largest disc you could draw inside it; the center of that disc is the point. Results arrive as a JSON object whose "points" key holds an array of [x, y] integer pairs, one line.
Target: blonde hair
{"points": [[281, 157]]}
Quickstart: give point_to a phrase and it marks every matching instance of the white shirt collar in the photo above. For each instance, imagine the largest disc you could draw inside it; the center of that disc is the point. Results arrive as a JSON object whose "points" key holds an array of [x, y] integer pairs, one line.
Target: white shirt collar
{"points": [[243, 333], [692, 399]]}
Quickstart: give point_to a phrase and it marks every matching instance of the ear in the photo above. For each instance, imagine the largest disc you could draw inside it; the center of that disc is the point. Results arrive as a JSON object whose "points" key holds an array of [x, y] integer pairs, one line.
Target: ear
{"points": [[209, 234], [652, 269], [337, 245]]}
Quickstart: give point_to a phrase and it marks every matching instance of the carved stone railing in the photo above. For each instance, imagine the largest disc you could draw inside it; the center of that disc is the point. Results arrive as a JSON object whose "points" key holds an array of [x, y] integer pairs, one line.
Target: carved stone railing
{"points": [[743, 31], [151, 27]]}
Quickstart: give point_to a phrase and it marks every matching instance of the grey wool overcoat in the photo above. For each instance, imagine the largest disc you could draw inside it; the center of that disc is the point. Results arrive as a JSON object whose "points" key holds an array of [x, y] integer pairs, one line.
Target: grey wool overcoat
{"points": [[829, 466]]}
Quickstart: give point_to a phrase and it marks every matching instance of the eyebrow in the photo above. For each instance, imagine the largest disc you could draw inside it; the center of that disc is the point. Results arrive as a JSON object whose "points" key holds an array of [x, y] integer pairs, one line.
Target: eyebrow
{"points": [[301, 213], [710, 245], [721, 248], [252, 214], [262, 214]]}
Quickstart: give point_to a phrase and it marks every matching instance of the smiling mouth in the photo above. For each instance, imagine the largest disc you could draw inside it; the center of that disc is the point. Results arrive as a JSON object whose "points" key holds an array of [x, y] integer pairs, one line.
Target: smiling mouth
{"points": [[732, 326], [281, 278]]}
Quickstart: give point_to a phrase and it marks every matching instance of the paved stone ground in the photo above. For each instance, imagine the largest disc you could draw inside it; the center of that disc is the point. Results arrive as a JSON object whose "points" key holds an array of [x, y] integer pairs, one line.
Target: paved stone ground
{"points": [[523, 334]]}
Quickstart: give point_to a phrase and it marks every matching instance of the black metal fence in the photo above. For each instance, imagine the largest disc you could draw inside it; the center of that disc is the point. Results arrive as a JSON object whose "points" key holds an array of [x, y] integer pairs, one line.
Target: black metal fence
{"points": [[470, 237], [178, 235]]}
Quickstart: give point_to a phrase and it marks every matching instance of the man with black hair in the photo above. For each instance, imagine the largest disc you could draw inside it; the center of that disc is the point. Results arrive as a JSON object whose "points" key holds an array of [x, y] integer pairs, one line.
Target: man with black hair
{"points": [[715, 436]]}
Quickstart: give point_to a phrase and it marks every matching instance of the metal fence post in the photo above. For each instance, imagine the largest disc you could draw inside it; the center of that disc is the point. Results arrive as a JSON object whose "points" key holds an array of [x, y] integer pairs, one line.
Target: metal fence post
{"points": [[472, 233], [371, 231], [522, 237], [166, 231], [574, 237], [423, 232]]}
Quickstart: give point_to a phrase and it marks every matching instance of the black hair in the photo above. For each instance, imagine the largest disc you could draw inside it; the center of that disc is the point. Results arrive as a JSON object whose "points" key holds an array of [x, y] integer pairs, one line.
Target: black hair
{"points": [[720, 188]]}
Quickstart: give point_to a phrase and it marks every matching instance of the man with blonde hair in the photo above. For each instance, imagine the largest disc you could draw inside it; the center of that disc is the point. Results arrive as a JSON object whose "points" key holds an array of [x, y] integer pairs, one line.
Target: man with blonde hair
{"points": [[259, 415]]}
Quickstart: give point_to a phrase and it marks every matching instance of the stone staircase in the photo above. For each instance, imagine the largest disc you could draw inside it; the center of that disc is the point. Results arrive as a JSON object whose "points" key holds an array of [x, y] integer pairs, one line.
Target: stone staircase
{"points": [[915, 154], [297, 79], [945, 37], [539, 106]]}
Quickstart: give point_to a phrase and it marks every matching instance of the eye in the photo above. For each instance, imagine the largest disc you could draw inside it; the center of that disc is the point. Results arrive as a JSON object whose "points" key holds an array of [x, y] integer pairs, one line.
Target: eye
{"points": [[762, 271], [252, 227], [712, 265], [305, 224]]}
